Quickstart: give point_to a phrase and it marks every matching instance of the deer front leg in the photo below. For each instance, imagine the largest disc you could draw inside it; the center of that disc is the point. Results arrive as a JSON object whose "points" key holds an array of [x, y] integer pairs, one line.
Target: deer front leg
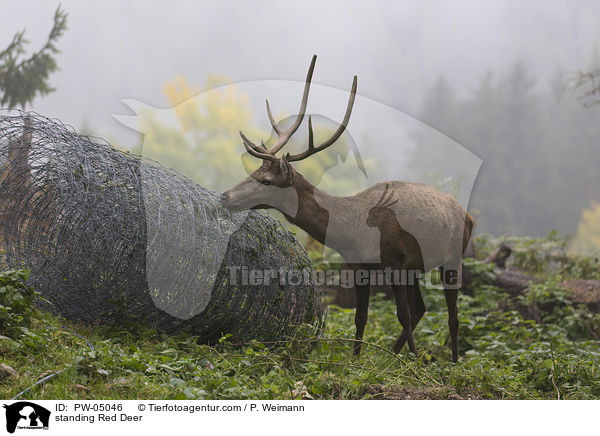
{"points": [[362, 312], [404, 316], [417, 310]]}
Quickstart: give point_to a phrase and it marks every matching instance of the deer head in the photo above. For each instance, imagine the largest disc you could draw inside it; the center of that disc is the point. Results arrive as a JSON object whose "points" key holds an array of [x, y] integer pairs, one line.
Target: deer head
{"points": [[272, 185]]}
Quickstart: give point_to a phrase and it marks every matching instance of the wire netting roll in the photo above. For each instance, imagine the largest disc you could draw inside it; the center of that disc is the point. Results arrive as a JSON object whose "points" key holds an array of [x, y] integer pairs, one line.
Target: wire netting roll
{"points": [[110, 237]]}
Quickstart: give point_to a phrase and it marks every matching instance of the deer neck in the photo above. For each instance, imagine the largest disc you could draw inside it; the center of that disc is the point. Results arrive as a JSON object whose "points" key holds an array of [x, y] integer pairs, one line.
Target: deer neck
{"points": [[317, 211]]}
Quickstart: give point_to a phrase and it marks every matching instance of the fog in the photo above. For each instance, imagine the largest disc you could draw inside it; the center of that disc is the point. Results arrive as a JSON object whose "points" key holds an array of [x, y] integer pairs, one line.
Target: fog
{"points": [[129, 49], [115, 50]]}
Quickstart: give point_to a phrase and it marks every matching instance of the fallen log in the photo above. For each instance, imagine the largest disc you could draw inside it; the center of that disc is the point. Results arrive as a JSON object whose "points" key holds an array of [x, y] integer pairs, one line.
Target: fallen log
{"points": [[516, 283], [585, 292]]}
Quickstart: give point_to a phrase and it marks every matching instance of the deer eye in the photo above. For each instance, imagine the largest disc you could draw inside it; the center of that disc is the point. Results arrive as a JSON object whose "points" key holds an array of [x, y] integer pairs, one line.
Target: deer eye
{"points": [[265, 182]]}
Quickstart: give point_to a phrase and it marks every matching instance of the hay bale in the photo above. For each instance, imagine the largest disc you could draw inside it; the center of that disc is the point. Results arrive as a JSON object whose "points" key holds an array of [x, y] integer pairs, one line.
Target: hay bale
{"points": [[110, 236]]}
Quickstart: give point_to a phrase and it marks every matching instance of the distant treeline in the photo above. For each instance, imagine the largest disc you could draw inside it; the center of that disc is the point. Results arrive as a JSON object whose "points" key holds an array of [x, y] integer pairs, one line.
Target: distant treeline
{"points": [[540, 149]]}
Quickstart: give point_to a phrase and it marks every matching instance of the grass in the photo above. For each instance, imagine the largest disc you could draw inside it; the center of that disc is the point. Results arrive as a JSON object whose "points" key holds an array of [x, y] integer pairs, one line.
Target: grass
{"points": [[502, 355]]}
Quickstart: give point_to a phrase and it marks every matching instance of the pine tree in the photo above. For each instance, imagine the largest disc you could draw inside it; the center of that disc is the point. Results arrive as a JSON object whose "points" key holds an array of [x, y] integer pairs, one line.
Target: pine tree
{"points": [[22, 78]]}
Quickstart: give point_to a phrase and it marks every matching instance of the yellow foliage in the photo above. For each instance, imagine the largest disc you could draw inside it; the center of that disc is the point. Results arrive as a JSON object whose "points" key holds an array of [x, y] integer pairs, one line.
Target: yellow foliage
{"points": [[587, 238], [206, 145]]}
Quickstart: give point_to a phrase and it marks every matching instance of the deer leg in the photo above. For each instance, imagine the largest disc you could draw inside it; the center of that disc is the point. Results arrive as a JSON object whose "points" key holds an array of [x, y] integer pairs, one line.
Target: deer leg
{"points": [[362, 312], [417, 310], [404, 316], [451, 300]]}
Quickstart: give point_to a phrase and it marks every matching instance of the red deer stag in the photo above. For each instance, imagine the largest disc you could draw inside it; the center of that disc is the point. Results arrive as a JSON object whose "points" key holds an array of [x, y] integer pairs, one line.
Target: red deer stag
{"points": [[421, 229]]}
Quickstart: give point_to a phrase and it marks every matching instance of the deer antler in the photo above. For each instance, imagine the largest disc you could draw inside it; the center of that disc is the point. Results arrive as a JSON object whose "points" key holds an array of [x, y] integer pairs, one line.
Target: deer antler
{"points": [[311, 146], [284, 135], [257, 151]]}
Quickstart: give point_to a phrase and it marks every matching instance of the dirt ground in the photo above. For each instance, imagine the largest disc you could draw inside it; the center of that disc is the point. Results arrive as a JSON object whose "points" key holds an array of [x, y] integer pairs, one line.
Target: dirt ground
{"points": [[376, 392]]}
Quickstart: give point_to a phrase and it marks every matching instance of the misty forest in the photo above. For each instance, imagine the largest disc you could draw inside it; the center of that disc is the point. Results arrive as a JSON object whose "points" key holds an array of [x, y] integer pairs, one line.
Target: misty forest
{"points": [[117, 244]]}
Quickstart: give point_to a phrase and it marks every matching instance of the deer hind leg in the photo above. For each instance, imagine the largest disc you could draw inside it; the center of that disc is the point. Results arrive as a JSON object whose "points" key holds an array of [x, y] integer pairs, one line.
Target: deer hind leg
{"points": [[451, 301], [361, 315], [452, 277], [404, 315], [417, 310]]}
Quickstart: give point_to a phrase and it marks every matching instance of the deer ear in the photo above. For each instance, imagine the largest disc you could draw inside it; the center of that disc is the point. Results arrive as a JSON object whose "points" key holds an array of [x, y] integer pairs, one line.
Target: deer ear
{"points": [[287, 172]]}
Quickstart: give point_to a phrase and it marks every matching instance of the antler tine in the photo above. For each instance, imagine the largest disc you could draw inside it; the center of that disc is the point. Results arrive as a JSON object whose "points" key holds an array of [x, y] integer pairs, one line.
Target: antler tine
{"points": [[272, 120], [255, 150], [285, 135], [312, 149], [311, 136]]}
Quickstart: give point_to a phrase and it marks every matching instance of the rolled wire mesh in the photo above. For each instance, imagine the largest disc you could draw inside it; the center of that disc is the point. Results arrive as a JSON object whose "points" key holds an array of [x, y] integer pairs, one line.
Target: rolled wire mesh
{"points": [[110, 236]]}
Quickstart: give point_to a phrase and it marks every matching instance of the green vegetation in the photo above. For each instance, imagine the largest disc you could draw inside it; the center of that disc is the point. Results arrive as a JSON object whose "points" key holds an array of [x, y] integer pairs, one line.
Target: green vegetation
{"points": [[503, 355], [16, 303], [23, 78]]}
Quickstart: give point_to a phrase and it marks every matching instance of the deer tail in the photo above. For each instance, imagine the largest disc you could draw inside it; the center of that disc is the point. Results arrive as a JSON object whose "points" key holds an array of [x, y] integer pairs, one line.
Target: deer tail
{"points": [[469, 224]]}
